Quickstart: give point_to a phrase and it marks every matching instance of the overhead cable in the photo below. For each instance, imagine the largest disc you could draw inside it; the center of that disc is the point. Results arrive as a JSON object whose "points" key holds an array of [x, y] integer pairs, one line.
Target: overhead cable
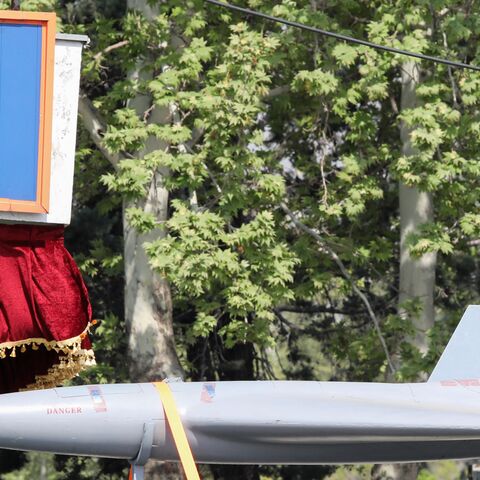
{"points": [[345, 38]]}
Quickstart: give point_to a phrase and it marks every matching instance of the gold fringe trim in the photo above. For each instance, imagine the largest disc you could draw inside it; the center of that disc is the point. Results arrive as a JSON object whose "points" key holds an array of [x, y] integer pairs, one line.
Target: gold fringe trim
{"points": [[72, 357], [65, 346], [67, 368]]}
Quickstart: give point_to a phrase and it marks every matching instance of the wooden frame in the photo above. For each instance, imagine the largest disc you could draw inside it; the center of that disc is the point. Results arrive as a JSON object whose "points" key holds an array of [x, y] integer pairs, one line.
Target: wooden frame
{"points": [[48, 23]]}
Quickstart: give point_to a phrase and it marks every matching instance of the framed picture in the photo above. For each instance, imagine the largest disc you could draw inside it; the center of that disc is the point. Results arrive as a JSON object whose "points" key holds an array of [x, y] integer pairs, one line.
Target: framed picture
{"points": [[27, 56]]}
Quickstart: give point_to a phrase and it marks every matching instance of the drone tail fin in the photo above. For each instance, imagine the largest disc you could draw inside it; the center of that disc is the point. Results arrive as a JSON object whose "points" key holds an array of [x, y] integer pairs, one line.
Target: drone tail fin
{"points": [[461, 357]]}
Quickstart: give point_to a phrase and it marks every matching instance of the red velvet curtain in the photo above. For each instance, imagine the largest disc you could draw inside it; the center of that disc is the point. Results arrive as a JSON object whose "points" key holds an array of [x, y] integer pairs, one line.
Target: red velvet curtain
{"points": [[45, 313]]}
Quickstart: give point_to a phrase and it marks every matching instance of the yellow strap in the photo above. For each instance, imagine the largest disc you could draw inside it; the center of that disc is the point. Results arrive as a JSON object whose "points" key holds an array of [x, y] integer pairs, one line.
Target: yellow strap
{"points": [[178, 432]]}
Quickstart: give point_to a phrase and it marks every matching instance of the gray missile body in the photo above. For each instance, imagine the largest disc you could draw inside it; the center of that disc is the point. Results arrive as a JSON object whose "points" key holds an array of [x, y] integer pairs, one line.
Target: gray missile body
{"points": [[252, 422], [277, 422]]}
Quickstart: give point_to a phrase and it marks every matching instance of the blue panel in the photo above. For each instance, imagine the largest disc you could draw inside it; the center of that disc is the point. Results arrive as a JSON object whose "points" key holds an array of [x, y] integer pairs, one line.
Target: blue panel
{"points": [[20, 76]]}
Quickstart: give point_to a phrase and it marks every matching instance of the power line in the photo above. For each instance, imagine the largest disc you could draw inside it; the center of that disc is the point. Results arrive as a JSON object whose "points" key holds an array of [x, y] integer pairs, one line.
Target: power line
{"points": [[345, 38]]}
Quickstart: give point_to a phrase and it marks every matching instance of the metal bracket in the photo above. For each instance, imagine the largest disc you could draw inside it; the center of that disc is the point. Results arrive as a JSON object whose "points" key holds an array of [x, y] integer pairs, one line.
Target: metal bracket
{"points": [[173, 379], [138, 463]]}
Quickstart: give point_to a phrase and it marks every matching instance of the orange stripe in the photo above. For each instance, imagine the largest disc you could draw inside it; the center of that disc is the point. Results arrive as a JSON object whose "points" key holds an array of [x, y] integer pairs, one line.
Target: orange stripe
{"points": [[178, 432]]}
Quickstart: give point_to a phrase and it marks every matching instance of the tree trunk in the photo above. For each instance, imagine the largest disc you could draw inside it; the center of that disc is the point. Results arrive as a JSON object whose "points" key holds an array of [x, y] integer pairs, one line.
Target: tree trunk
{"points": [[148, 311], [148, 303], [417, 275]]}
